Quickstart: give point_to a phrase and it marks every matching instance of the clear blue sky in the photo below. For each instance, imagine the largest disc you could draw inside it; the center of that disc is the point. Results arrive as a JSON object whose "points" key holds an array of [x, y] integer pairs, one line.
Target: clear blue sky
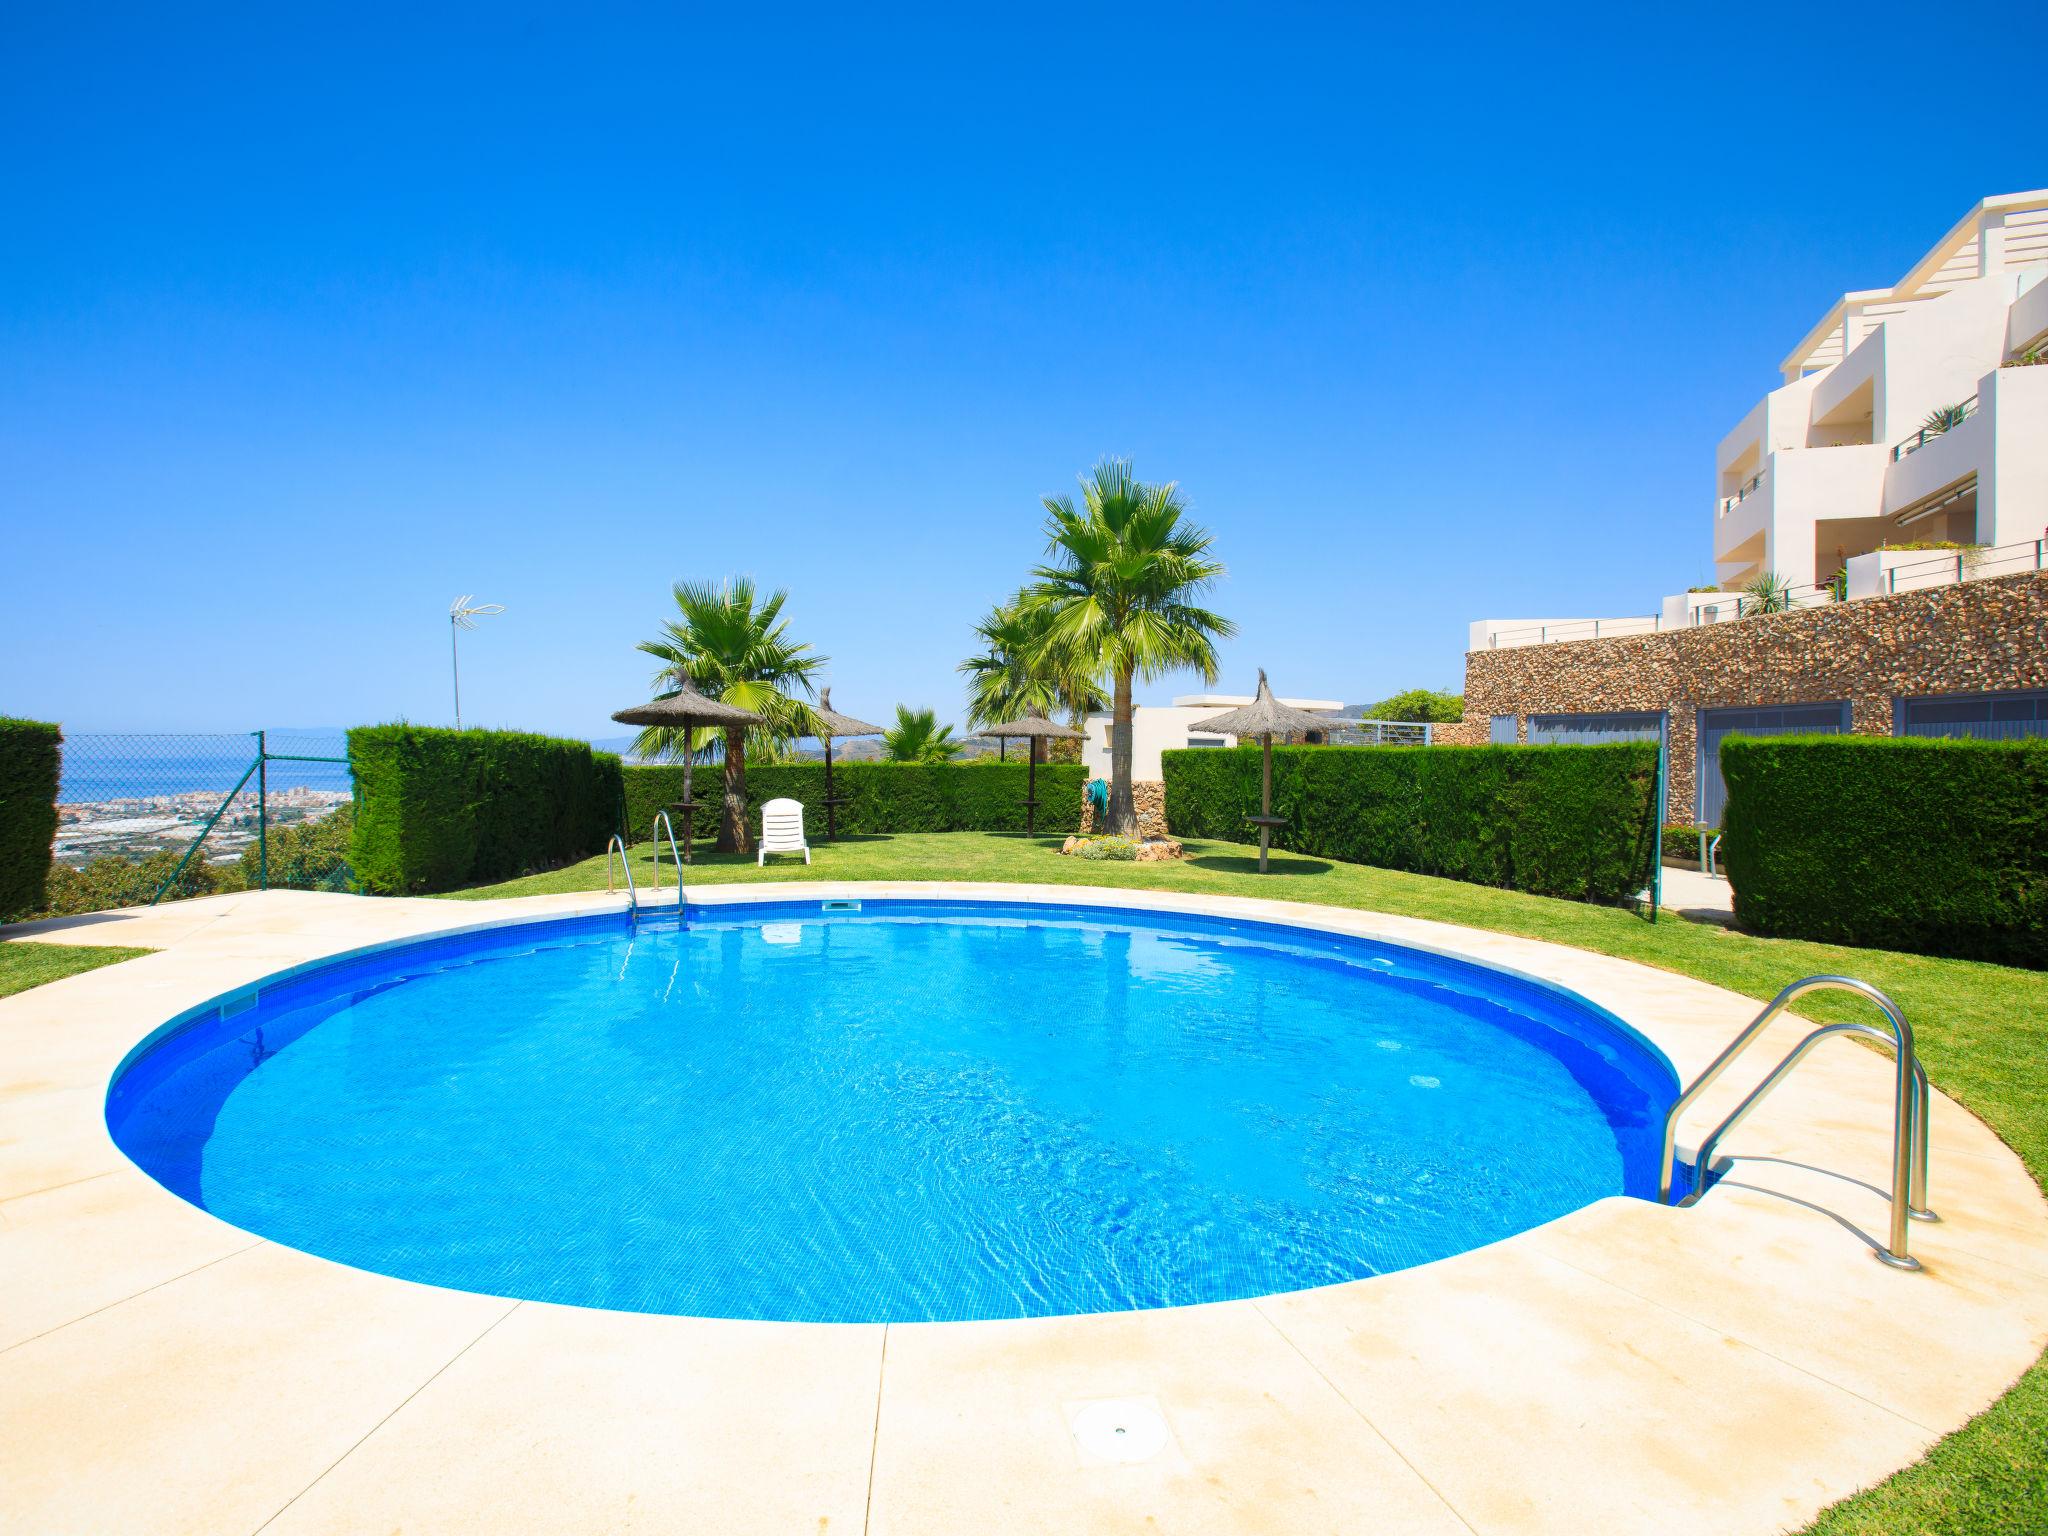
{"points": [[312, 318]]}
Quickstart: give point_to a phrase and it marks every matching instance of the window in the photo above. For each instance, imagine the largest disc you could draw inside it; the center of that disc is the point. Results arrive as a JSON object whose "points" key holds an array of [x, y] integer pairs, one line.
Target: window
{"points": [[1631, 725], [1985, 716], [1205, 741], [1501, 730]]}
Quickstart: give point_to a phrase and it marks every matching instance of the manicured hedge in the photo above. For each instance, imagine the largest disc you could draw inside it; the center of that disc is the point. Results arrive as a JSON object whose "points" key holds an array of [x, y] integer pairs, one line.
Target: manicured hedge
{"points": [[1932, 846], [30, 760], [1560, 821], [880, 797], [439, 809]]}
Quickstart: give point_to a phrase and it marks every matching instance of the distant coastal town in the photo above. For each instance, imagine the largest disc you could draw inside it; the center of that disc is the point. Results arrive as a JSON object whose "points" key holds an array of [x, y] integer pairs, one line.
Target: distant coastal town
{"points": [[139, 826]]}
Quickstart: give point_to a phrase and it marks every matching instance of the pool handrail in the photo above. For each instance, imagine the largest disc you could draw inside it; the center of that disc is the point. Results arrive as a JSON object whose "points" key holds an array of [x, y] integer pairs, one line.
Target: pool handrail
{"points": [[626, 864], [1911, 1102], [662, 822]]}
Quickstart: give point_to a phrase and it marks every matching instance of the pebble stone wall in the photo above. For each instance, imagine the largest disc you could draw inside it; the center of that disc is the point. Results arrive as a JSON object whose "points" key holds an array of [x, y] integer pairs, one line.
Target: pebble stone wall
{"points": [[1974, 637]]}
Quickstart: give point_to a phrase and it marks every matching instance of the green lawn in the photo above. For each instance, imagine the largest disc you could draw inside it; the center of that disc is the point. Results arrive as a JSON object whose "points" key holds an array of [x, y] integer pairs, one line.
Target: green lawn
{"points": [[1983, 1030], [24, 964]]}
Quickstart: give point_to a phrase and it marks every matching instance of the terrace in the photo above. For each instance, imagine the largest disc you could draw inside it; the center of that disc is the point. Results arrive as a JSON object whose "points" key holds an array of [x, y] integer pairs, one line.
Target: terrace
{"points": [[327, 1398]]}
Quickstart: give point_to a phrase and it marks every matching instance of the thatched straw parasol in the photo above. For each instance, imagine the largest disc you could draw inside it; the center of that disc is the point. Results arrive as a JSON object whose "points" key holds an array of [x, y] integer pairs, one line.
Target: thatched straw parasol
{"points": [[1035, 728], [685, 710], [1265, 717], [830, 724]]}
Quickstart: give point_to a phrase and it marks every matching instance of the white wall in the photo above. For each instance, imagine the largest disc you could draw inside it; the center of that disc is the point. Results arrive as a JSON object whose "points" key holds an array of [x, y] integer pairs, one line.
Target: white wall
{"points": [[1157, 728], [2012, 503]]}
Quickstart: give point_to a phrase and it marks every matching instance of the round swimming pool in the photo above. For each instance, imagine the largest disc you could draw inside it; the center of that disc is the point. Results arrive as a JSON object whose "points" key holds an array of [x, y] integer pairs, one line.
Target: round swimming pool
{"points": [[906, 1111]]}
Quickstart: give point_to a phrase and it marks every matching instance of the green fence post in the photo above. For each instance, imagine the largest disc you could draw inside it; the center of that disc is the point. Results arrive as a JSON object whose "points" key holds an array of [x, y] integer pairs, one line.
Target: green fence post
{"points": [[262, 813], [1663, 767]]}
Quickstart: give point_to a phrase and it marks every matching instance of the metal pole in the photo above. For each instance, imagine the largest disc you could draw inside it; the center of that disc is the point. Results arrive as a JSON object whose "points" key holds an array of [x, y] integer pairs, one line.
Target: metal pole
{"points": [[689, 800], [1265, 797], [262, 814], [1663, 766], [1031, 792], [455, 670], [203, 831], [831, 802]]}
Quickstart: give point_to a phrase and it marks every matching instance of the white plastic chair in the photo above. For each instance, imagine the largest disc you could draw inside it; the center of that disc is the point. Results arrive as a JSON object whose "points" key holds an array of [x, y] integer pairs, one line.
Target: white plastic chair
{"points": [[782, 830]]}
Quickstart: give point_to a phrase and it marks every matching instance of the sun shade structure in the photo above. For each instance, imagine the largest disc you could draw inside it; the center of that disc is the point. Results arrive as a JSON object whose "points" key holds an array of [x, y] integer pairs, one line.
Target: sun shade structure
{"points": [[830, 724], [1265, 717], [685, 710], [1035, 728]]}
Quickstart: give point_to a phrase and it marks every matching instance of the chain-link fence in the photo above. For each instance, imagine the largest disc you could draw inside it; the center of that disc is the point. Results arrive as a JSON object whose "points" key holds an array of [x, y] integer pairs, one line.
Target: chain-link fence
{"points": [[147, 818]]}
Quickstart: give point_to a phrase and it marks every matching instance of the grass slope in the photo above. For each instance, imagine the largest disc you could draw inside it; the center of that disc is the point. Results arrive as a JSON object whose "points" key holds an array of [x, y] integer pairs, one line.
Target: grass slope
{"points": [[1982, 1029], [25, 964]]}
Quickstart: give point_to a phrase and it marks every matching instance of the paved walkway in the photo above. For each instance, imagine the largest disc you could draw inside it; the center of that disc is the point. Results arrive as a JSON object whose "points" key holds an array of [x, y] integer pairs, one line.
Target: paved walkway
{"points": [[1723, 1370], [1701, 897]]}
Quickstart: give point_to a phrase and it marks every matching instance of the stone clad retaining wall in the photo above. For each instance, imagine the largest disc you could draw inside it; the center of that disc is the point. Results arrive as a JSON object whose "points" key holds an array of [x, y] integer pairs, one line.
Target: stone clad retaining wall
{"points": [[1974, 637], [1149, 798]]}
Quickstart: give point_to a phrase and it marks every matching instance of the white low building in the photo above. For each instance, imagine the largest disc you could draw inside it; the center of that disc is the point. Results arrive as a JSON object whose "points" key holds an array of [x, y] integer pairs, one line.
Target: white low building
{"points": [[1157, 728]]}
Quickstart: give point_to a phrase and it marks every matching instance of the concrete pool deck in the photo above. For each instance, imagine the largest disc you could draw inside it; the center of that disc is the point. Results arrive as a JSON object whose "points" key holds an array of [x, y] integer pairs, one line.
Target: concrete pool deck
{"points": [[1725, 1369]]}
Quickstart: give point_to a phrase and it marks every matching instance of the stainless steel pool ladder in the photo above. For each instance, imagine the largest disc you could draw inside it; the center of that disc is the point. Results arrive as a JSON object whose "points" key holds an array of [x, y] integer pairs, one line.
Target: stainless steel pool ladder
{"points": [[661, 824], [626, 864], [1911, 1099]]}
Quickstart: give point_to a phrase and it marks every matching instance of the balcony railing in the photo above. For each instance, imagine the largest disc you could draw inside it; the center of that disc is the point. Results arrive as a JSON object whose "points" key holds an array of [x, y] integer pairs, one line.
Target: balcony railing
{"points": [[1742, 492], [1575, 629], [1972, 563], [1928, 434]]}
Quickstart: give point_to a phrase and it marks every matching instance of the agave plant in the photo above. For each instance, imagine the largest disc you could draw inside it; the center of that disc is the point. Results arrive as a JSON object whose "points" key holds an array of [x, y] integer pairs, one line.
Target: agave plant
{"points": [[1944, 419], [1769, 593]]}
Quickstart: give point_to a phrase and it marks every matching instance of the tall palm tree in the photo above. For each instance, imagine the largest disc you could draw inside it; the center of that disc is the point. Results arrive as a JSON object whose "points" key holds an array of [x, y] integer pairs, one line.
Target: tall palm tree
{"points": [[731, 645], [1022, 671], [1122, 588], [917, 737]]}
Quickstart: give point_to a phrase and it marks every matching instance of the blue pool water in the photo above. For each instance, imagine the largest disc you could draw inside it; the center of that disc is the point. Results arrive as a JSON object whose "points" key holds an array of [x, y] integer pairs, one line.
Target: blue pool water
{"points": [[908, 1112]]}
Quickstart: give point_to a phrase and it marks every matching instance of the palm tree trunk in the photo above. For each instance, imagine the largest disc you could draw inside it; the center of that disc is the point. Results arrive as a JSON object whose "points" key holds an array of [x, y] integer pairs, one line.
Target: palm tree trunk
{"points": [[732, 830], [1123, 810]]}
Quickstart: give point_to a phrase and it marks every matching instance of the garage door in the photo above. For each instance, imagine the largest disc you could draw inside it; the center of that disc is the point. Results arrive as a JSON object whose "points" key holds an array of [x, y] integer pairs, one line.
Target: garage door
{"points": [[1716, 725], [1550, 730], [1986, 716]]}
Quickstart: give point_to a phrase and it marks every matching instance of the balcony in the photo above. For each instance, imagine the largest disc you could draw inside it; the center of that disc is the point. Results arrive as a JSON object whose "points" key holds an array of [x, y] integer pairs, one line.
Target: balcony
{"points": [[1742, 493], [1885, 571], [1948, 420]]}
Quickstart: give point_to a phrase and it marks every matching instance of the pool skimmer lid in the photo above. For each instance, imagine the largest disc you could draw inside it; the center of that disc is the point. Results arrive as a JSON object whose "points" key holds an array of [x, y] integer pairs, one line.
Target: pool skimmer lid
{"points": [[1114, 1430]]}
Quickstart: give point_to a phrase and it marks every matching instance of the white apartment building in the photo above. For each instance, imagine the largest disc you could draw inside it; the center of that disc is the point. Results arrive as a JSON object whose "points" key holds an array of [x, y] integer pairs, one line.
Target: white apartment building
{"points": [[1834, 462], [1839, 465], [1157, 728]]}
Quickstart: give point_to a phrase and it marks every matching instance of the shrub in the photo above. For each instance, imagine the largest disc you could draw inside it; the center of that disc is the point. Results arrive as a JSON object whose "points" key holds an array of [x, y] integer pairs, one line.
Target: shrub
{"points": [[1577, 821], [1109, 848], [305, 855], [437, 809], [879, 797], [1932, 846], [1419, 704], [115, 881], [30, 758]]}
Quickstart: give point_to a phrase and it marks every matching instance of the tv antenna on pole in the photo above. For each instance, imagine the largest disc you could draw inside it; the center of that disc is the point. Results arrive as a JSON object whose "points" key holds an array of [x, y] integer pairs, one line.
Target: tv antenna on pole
{"points": [[463, 614]]}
